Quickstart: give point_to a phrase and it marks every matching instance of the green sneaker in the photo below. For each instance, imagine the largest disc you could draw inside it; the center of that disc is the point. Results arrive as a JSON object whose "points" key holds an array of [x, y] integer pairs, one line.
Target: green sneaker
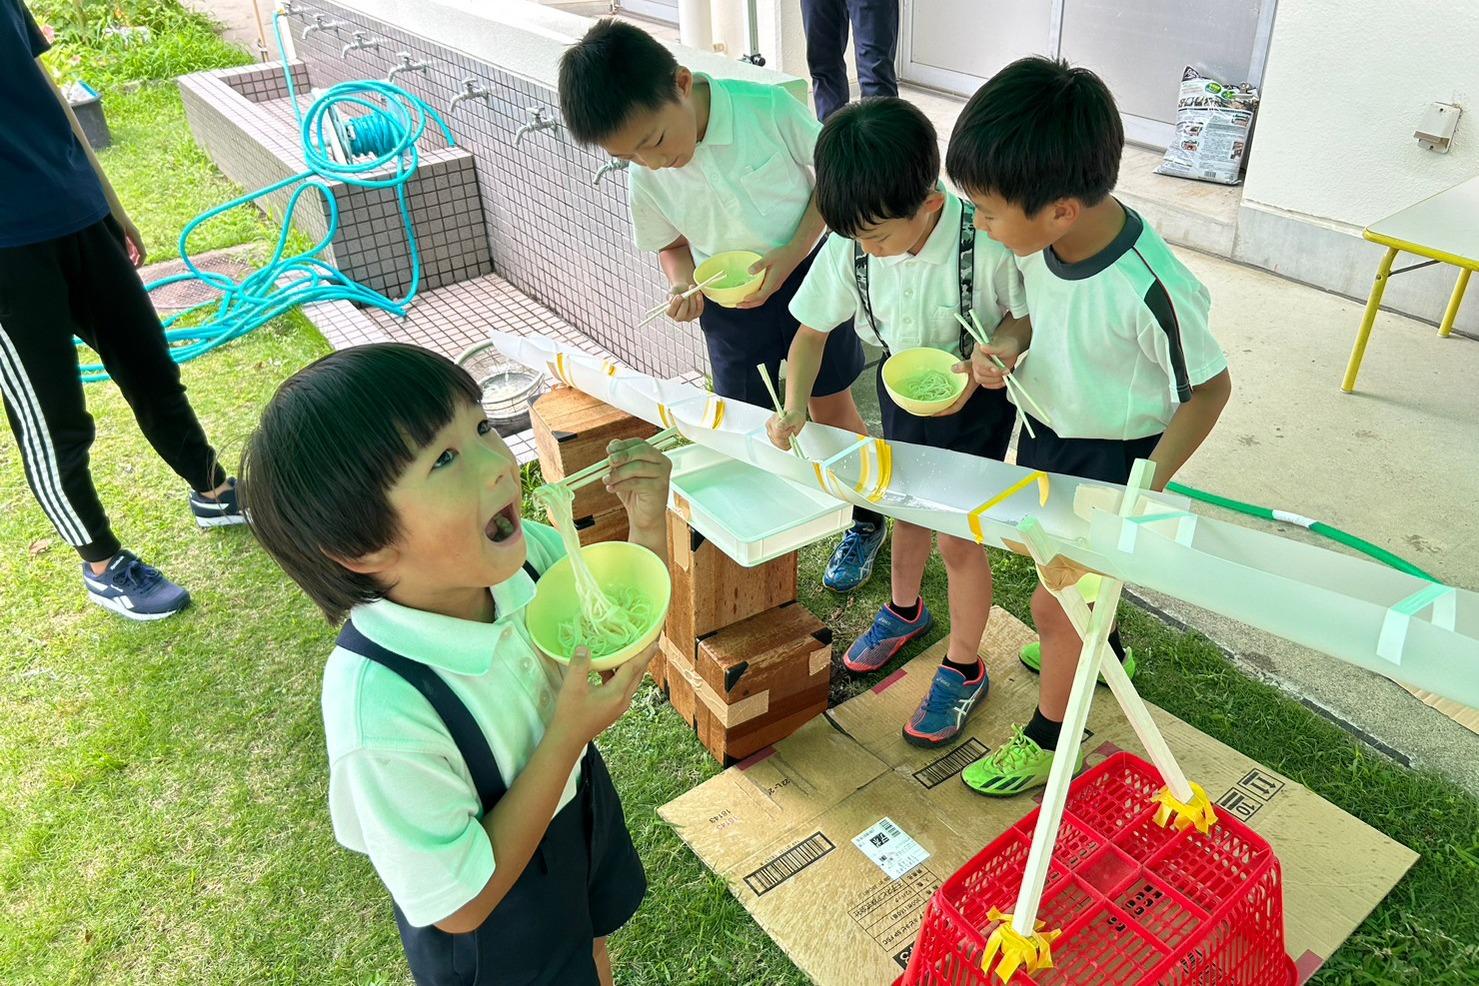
{"points": [[1013, 768], [1031, 658]]}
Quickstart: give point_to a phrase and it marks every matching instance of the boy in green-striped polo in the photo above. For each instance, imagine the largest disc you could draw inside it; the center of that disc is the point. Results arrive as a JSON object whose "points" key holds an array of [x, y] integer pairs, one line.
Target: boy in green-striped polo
{"points": [[1118, 351]]}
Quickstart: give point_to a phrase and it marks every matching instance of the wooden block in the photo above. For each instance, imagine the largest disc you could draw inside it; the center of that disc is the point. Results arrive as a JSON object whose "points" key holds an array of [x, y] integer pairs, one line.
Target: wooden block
{"points": [[712, 591], [679, 686], [658, 666], [571, 431], [608, 526], [735, 725], [782, 649]]}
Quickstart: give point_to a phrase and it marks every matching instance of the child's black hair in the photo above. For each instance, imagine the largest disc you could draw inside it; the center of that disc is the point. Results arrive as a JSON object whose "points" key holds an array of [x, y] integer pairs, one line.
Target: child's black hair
{"points": [[615, 70], [875, 160], [317, 472], [1036, 132]]}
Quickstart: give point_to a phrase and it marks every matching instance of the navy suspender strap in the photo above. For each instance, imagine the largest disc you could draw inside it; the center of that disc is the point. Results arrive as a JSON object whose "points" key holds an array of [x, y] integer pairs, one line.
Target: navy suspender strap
{"points": [[464, 729], [966, 255]]}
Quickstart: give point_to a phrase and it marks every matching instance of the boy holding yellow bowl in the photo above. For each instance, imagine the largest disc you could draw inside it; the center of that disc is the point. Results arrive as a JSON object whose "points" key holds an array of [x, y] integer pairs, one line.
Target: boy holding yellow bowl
{"points": [[722, 166], [460, 760], [906, 261]]}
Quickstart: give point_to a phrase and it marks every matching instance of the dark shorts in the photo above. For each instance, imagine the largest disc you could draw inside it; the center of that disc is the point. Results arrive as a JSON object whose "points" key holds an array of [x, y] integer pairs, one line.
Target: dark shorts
{"points": [[982, 427], [739, 338], [583, 883], [1108, 460]]}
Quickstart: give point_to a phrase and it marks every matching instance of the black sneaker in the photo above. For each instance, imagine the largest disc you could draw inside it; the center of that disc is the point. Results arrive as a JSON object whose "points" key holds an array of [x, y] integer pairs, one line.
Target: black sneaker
{"points": [[134, 590], [218, 512]]}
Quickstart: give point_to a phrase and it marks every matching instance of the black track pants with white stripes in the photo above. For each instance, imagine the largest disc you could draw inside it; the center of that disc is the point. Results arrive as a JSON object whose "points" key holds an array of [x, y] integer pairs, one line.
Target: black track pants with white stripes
{"points": [[84, 285]]}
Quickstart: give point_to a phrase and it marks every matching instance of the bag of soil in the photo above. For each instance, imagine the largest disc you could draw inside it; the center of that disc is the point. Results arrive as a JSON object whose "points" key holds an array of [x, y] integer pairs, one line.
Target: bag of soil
{"points": [[1213, 122]]}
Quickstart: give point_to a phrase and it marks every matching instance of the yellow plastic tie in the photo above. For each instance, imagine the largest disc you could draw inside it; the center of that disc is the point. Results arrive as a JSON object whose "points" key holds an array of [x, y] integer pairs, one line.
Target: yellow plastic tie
{"points": [[1017, 951], [610, 369], [885, 470], [665, 417], [1199, 812], [714, 412], [974, 517]]}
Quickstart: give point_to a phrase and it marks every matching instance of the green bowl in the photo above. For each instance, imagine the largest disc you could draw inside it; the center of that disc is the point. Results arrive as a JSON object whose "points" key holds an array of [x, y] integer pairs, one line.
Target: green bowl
{"points": [[615, 564], [737, 284], [908, 362]]}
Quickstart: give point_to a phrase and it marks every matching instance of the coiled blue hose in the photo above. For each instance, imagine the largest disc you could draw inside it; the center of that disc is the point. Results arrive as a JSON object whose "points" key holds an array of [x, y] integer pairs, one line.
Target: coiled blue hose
{"points": [[381, 144]]}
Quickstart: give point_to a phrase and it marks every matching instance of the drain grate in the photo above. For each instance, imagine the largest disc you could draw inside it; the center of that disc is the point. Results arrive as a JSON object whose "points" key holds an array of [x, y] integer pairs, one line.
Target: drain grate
{"points": [[233, 263]]}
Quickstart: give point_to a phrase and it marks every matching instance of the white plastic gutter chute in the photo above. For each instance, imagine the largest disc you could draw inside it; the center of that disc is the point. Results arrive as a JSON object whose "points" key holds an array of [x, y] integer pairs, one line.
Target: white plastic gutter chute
{"points": [[1356, 610]]}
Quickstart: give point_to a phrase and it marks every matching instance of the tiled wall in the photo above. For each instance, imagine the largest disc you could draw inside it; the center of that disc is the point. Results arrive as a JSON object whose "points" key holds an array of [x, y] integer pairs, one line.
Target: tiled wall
{"points": [[242, 118], [553, 235]]}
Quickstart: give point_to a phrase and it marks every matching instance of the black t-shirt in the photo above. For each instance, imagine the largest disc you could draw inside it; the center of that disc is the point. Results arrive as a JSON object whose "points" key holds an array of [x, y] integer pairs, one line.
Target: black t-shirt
{"points": [[47, 187]]}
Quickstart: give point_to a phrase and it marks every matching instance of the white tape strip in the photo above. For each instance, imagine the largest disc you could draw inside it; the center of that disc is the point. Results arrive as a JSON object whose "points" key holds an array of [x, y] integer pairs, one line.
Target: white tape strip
{"points": [[1393, 637], [1289, 518], [1186, 528]]}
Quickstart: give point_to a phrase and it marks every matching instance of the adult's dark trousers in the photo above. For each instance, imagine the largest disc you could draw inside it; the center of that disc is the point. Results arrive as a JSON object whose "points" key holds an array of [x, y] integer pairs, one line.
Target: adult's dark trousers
{"points": [[875, 31], [84, 285]]}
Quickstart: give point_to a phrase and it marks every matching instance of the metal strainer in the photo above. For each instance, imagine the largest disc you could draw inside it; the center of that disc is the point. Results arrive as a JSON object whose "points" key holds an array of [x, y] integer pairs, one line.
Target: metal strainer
{"points": [[508, 387]]}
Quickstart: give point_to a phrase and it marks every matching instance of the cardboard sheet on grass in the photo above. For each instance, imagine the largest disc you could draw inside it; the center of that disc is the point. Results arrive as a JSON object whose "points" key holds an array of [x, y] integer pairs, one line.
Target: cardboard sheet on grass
{"points": [[780, 827], [1461, 714]]}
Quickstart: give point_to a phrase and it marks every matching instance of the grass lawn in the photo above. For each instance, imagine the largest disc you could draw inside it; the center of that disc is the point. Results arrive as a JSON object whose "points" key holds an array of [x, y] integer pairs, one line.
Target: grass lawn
{"points": [[163, 786]]}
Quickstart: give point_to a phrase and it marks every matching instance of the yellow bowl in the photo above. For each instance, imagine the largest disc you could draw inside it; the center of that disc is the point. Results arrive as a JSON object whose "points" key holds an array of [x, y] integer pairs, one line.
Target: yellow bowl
{"points": [[737, 284], [899, 367], [615, 564]]}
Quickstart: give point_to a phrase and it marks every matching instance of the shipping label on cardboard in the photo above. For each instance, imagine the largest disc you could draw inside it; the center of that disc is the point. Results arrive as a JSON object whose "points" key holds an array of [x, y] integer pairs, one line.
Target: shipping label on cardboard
{"points": [[892, 849]]}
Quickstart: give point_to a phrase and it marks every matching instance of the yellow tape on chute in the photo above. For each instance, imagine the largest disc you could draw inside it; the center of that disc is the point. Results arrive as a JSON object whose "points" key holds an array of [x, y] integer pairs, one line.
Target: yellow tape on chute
{"points": [[1037, 476], [714, 412]]}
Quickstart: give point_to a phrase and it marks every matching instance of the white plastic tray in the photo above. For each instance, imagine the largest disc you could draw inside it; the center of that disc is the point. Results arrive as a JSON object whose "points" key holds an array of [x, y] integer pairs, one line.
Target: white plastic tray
{"points": [[749, 514]]}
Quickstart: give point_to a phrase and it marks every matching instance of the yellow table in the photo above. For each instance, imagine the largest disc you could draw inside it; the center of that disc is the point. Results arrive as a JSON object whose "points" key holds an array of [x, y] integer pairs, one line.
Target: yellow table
{"points": [[1445, 229]]}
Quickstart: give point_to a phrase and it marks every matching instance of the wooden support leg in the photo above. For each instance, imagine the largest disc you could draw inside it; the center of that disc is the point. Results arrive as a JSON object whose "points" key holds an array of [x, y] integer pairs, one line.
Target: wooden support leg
{"points": [[1373, 304], [1055, 796]]}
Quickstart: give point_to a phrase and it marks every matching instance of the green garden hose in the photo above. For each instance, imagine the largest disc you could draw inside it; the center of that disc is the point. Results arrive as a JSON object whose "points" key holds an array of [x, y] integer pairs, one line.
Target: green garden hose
{"points": [[1317, 527]]}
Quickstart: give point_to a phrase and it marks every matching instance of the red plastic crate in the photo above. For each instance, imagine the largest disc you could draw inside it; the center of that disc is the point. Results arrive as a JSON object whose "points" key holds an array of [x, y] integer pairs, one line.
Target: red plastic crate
{"points": [[1137, 903]]}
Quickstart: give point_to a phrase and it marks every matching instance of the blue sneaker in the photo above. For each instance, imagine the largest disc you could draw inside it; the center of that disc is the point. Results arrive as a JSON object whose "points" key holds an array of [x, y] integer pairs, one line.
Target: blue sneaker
{"points": [[218, 512], [885, 638], [852, 563], [134, 590], [945, 709]]}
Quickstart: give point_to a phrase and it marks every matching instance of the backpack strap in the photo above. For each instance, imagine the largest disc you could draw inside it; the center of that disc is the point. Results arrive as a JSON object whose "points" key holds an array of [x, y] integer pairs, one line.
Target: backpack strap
{"points": [[464, 729], [967, 259], [860, 278]]}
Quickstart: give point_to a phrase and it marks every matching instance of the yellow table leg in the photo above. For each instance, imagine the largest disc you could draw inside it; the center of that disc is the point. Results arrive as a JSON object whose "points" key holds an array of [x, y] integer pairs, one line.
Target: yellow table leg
{"points": [[1446, 326], [1372, 305]]}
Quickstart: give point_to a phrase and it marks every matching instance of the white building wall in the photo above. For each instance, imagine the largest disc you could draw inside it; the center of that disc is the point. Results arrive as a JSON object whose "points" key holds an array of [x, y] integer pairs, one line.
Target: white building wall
{"points": [[1345, 86]]}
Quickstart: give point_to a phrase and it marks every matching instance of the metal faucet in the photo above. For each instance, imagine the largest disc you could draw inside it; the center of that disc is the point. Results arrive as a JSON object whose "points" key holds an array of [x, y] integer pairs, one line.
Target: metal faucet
{"points": [[361, 42], [407, 65], [470, 90], [286, 6], [537, 121], [320, 24], [615, 164]]}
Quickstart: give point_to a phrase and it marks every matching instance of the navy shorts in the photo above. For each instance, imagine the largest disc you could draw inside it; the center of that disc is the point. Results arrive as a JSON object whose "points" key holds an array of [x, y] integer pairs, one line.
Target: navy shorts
{"points": [[982, 427], [739, 338], [1108, 460]]}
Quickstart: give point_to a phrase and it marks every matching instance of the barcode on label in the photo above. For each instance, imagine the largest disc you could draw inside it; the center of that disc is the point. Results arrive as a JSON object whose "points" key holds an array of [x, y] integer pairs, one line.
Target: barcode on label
{"points": [[951, 763], [789, 863]]}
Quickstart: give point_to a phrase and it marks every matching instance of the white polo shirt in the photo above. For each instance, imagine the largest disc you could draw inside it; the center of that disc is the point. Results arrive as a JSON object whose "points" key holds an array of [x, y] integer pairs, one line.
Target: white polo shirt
{"points": [[749, 182], [1119, 339], [399, 790], [914, 297]]}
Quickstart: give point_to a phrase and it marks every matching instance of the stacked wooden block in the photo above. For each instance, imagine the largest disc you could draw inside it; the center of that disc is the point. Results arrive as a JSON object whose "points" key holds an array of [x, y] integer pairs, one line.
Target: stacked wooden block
{"points": [[571, 431], [746, 664]]}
